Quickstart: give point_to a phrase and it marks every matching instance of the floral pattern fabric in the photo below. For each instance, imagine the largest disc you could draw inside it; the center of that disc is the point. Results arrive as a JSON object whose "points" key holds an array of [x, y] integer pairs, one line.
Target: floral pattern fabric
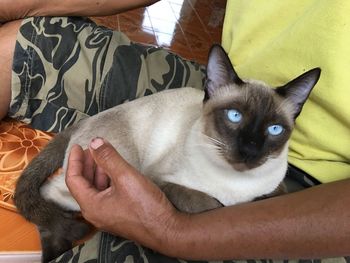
{"points": [[19, 144]]}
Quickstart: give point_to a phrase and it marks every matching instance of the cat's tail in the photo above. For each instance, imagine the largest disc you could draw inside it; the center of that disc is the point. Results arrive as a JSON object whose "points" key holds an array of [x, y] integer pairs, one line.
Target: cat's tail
{"points": [[28, 199], [57, 227]]}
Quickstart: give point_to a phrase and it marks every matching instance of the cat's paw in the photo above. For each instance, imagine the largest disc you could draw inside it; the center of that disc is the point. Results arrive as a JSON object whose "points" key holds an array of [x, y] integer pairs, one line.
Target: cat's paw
{"points": [[189, 200], [59, 237]]}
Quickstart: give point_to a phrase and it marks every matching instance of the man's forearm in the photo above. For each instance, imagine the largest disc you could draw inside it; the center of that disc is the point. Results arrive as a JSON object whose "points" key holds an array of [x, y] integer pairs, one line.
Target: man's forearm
{"points": [[313, 223], [15, 9]]}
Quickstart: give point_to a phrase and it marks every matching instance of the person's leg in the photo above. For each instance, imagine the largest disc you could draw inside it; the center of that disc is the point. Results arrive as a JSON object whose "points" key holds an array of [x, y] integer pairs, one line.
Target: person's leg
{"points": [[68, 68], [8, 34]]}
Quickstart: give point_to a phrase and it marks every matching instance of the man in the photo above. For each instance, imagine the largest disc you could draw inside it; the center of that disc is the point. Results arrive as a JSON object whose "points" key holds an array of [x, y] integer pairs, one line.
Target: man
{"points": [[313, 223]]}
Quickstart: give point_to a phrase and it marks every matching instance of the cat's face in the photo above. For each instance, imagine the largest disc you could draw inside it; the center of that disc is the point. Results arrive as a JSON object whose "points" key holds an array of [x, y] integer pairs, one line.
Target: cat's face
{"points": [[251, 125], [249, 121]]}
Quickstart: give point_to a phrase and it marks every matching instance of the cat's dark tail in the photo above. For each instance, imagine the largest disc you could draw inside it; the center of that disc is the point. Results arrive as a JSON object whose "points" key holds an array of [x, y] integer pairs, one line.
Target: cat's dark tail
{"points": [[57, 227]]}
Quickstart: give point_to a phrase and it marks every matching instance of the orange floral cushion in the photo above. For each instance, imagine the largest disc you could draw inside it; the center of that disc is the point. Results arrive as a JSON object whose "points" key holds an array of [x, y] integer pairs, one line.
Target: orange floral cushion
{"points": [[19, 144]]}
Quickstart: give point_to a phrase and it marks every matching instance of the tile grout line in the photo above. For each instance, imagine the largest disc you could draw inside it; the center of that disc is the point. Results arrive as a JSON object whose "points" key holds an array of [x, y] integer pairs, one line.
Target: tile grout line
{"points": [[202, 23], [183, 32]]}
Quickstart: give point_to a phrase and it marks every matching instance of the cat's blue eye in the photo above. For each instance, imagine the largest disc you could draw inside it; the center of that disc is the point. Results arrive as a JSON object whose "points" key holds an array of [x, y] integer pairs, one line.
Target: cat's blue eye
{"points": [[234, 115], [275, 129]]}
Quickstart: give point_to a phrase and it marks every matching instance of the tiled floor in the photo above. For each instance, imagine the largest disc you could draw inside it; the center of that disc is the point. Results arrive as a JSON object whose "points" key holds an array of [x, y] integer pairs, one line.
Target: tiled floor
{"points": [[187, 27]]}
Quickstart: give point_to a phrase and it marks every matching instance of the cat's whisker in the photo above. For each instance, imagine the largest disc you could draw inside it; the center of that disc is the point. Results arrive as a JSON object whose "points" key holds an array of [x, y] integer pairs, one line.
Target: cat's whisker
{"points": [[268, 158], [216, 141], [208, 145], [212, 143], [218, 148], [218, 145]]}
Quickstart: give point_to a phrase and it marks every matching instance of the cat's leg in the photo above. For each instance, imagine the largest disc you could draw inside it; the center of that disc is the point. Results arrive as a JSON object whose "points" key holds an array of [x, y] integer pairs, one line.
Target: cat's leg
{"points": [[188, 200], [58, 226], [57, 238], [60, 231], [280, 190]]}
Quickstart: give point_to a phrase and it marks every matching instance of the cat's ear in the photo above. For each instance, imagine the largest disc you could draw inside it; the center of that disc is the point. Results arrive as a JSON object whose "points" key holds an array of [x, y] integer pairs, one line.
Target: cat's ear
{"points": [[298, 90], [220, 71]]}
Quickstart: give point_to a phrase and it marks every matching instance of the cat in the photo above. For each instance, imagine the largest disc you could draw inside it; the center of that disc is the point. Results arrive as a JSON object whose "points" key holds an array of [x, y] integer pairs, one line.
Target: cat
{"points": [[225, 145]]}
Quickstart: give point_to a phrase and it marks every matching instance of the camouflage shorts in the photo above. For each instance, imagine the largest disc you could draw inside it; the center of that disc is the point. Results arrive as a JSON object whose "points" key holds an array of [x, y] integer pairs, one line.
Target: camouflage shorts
{"points": [[106, 248], [68, 68]]}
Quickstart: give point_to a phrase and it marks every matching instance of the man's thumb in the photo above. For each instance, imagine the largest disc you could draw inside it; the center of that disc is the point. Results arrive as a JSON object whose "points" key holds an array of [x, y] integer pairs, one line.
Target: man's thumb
{"points": [[107, 157]]}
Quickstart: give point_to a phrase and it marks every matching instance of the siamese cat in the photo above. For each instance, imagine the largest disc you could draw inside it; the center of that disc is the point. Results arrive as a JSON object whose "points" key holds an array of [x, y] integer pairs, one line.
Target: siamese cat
{"points": [[225, 145]]}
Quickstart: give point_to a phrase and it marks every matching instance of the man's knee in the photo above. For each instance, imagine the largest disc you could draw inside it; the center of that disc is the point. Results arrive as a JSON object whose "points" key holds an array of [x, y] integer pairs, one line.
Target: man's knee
{"points": [[8, 33]]}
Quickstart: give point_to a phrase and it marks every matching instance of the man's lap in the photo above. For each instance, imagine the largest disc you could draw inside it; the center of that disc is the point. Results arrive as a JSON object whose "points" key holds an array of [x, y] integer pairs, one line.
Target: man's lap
{"points": [[68, 68]]}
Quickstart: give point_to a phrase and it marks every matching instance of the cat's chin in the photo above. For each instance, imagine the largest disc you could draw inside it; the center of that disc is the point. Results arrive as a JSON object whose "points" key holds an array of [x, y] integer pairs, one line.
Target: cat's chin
{"points": [[243, 166]]}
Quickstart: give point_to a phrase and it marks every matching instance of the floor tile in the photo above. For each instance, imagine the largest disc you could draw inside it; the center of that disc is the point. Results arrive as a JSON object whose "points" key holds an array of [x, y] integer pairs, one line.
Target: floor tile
{"points": [[108, 21], [163, 26], [139, 34], [162, 10], [186, 27], [137, 20]]}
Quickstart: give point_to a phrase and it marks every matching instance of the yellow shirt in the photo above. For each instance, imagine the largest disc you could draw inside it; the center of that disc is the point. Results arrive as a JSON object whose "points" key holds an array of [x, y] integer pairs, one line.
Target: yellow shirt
{"points": [[276, 41]]}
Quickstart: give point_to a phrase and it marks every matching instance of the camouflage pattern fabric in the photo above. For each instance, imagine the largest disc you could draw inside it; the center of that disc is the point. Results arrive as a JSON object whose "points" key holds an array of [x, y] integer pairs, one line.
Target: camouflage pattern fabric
{"points": [[67, 68], [106, 248]]}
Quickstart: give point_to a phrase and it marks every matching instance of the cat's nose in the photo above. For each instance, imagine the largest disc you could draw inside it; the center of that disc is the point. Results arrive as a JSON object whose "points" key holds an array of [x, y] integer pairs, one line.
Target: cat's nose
{"points": [[249, 149], [253, 143]]}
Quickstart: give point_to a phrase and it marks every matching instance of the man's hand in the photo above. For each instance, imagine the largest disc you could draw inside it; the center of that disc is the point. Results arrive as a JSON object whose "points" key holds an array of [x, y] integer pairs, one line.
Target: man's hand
{"points": [[115, 197], [289, 226]]}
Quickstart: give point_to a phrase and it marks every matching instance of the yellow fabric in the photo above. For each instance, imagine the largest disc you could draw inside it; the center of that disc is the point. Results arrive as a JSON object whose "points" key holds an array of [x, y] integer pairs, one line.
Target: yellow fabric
{"points": [[276, 41]]}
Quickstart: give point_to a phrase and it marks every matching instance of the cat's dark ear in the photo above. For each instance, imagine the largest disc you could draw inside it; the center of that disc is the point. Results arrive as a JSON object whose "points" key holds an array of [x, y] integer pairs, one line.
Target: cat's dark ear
{"points": [[220, 71], [298, 90]]}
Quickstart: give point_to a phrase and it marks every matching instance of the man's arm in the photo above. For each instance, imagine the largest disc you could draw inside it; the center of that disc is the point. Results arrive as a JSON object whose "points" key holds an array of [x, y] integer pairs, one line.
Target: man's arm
{"points": [[15, 9], [313, 223], [308, 224]]}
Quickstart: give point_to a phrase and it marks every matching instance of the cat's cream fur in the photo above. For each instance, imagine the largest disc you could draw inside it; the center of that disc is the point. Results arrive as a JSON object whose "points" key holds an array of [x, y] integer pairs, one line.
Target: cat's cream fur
{"points": [[174, 149]]}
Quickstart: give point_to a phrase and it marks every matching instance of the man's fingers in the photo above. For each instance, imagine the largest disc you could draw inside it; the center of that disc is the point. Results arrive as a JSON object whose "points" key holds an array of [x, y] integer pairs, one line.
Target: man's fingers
{"points": [[89, 167], [108, 158], [101, 179], [94, 174], [78, 185]]}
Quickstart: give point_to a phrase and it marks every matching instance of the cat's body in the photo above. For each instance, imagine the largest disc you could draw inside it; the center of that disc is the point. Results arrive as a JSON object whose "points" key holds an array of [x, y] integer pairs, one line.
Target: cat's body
{"points": [[225, 145], [174, 149]]}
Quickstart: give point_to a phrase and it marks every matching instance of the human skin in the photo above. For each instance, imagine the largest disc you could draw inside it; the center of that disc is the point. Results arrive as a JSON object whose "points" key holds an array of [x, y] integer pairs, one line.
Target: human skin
{"points": [[16, 9], [8, 34], [313, 223]]}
